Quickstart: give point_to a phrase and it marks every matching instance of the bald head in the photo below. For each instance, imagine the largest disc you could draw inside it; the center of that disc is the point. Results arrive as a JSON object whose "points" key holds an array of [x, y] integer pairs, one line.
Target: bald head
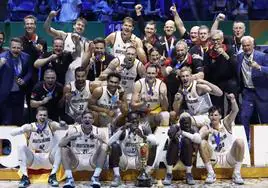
{"points": [[169, 27]]}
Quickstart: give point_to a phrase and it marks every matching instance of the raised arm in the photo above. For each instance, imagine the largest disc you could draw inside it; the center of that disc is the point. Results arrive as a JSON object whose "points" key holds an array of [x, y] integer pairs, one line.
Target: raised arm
{"points": [[43, 61], [220, 17], [111, 68], [178, 22], [26, 128], [141, 23], [51, 31], [109, 40], [204, 86], [140, 51], [228, 121]]}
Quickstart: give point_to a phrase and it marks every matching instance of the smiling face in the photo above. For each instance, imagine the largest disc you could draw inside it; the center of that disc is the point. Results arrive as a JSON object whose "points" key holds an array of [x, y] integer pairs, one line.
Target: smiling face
{"points": [[169, 28], [149, 30], [217, 40], [181, 51], [29, 26], [99, 48], [58, 46], [215, 118], [127, 27], [87, 120], [154, 57], [41, 116], [113, 84], [151, 74], [194, 34], [79, 27], [247, 46], [15, 48], [130, 57], [80, 78], [203, 35]]}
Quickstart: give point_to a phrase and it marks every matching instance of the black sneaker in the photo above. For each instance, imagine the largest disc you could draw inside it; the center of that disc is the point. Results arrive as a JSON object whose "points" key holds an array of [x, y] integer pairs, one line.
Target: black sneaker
{"points": [[190, 179], [52, 181], [24, 182]]}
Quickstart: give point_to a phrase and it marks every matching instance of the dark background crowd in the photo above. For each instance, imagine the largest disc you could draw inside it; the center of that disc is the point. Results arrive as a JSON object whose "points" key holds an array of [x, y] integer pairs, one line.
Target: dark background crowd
{"points": [[107, 10]]}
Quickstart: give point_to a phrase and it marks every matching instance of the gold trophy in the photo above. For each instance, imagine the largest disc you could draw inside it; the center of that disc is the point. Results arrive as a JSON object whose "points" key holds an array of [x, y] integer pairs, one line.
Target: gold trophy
{"points": [[143, 180]]}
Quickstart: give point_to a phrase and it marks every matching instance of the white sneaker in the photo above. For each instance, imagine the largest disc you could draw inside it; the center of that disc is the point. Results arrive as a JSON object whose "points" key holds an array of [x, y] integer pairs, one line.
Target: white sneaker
{"points": [[211, 178], [237, 179]]}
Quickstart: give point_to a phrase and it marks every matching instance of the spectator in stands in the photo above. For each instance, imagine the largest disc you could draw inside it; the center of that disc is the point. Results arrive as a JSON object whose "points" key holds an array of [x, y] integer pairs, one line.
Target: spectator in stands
{"points": [[252, 69], [55, 59], [69, 10], [2, 40], [18, 9], [43, 7], [15, 74], [98, 61], [220, 67], [47, 93]]}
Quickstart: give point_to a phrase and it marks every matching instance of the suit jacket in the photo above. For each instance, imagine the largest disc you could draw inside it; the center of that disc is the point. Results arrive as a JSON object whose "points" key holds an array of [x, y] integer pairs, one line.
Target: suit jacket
{"points": [[259, 78], [7, 73]]}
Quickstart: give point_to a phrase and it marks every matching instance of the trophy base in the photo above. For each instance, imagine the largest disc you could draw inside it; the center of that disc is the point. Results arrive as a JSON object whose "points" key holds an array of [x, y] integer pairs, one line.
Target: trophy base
{"points": [[143, 180]]}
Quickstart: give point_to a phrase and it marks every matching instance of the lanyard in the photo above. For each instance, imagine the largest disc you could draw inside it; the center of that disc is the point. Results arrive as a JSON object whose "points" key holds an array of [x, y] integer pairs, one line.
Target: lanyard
{"points": [[41, 127], [169, 49], [114, 98], [217, 140], [150, 89], [17, 66], [179, 65]]}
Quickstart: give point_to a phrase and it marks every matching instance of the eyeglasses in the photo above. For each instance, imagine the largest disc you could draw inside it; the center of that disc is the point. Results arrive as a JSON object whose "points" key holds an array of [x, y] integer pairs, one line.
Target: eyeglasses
{"points": [[216, 39]]}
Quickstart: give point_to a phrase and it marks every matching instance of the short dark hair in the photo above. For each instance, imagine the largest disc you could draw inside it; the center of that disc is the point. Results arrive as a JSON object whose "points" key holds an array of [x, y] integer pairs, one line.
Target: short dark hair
{"points": [[41, 108], [151, 22], [16, 39], [153, 49], [81, 19], [57, 38], [153, 66], [87, 112], [99, 40], [49, 70], [79, 69], [2, 33], [114, 74], [214, 109]]}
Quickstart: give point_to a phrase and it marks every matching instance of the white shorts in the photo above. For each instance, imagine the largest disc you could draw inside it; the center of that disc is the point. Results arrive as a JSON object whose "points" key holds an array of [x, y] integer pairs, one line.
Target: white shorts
{"points": [[85, 162], [41, 161], [128, 162], [223, 160], [201, 120]]}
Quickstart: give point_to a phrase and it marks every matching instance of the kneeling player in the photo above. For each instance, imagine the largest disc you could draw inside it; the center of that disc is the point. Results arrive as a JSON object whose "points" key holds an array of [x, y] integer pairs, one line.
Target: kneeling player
{"points": [[83, 148], [40, 152], [220, 147], [124, 144], [182, 139]]}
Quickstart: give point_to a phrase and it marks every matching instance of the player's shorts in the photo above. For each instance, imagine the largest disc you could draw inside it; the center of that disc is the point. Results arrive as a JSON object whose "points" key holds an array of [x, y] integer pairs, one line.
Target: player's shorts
{"points": [[223, 160], [128, 162], [84, 162], [41, 161]]}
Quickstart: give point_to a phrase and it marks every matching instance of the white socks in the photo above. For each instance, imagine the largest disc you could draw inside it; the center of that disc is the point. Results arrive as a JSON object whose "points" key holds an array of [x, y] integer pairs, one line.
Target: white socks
{"points": [[209, 168], [188, 169], [116, 171], [97, 172], [68, 173], [237, 167], [57, 161], [169, 169]]}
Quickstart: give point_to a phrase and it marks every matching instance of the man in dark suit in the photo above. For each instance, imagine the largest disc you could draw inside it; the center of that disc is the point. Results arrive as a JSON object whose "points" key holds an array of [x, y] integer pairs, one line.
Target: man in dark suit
{"points": [[252, 69], [15, 73]]}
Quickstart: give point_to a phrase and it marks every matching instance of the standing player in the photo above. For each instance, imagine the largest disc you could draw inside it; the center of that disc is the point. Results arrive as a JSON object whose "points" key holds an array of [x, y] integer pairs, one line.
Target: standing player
{"points": [[221, 148], [150, 96], [124, 144], [41, 151], [83, 148], [76, 95], [195, 95], [120, 40]]}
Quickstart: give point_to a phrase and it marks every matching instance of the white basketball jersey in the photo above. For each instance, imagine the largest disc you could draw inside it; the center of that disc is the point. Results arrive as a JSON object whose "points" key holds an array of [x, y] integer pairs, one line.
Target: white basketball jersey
{"points": [[85, 144], [196, 104], [222, 140], [130, 144], [119, 47], [79, 100], [107, 100], [69, 45], [128, 76], [155, 96], [41, 142]]}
